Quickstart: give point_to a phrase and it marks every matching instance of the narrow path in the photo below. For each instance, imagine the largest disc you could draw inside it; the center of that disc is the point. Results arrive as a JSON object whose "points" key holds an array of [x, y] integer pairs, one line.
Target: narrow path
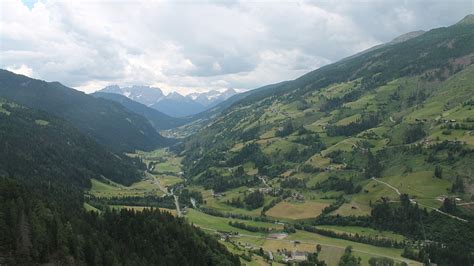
{"points": [[388, 185], [264, 181], [415, 202], [354, 145], [442, 212]]}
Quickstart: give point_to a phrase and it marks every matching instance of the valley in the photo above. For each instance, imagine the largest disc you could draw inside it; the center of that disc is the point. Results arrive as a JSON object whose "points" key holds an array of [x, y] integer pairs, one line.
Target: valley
{"points": [[241, 240], [368, 160], [377, 162]]}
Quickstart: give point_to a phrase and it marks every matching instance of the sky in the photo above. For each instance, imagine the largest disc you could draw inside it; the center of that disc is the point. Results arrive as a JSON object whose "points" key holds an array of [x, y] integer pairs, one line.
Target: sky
{"points": [[195, 46]]}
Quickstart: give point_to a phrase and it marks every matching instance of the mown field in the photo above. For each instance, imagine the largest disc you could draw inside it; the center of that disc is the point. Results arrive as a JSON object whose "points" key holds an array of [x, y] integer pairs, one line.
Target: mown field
{"points": [[297, 210]]}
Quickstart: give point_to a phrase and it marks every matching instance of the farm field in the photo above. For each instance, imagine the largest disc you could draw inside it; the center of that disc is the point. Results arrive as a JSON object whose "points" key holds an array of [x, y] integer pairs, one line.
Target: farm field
{"points": [[138, 189], [332, 248], [222, 224], [297, 210], [363, 231]]}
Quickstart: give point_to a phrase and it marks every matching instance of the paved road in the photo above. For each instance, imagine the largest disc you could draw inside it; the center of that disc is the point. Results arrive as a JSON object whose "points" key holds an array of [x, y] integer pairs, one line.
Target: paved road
{"points": [[157, 182]]}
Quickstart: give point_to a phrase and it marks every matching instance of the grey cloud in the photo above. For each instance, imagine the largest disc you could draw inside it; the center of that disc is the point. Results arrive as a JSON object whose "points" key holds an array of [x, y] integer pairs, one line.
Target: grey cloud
{"points": [[199, 46]]}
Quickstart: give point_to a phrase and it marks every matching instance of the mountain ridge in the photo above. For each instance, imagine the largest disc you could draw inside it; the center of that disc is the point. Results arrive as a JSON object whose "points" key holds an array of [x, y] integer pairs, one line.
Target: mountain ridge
{"points": [[158, 120], [173, 104], [107, 122]]}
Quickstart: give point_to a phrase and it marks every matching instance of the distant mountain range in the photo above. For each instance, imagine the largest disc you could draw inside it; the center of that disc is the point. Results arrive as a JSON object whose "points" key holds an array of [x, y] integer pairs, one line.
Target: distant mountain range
{"points": [[173, 104], [157, 119]]}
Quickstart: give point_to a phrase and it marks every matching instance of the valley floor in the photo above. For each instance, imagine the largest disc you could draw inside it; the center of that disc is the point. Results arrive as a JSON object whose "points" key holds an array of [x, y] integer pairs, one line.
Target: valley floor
{"points": [[164, 179]]}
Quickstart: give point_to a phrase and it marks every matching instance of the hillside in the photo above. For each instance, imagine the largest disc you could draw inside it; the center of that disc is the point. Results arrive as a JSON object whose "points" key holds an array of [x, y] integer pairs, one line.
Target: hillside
{"points": [[45, 164], [106, 122], [41, 148], [352, 136], [199, 120], [157, 119], [353, 91]]}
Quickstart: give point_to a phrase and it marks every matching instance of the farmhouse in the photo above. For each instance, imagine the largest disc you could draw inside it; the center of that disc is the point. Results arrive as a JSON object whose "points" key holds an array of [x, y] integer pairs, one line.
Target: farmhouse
{"points": [[298, 255]]}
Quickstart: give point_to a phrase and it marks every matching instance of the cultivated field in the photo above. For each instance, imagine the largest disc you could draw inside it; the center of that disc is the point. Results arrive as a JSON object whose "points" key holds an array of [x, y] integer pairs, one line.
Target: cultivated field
{"points": [[296, 210]]}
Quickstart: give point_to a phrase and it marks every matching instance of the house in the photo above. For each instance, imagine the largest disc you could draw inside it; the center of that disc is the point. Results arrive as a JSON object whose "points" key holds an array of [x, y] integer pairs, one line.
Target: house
{"points": [[265, 190], [298, 256], [270, 255], [217, 195], [298, 196]]}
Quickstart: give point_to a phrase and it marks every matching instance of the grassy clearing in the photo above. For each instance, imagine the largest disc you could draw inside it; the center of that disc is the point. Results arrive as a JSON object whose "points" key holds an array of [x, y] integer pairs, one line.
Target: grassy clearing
{"points": [[41, 122], [89, 208], [297, 210], [348, 120], [332, 248], [164, 161], [419, 184], [318, 161], [359, 248], [222, 224], [353, 208], [344, 145], [138, 189], [220, 204], [168, 180], [364, 231]]}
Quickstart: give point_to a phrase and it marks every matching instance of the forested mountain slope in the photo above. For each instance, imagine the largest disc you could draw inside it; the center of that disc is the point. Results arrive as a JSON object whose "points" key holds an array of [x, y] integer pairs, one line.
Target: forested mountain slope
{"points": [[37, 145], [107, 122], [45, 165]]}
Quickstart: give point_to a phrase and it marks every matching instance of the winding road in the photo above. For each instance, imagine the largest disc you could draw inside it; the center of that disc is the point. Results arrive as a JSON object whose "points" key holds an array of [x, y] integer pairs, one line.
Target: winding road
{"points": [[156, 181]]}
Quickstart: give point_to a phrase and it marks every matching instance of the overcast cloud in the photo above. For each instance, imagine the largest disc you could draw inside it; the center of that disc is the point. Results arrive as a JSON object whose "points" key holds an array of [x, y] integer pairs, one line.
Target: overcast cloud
{"points": [[191, 46]]}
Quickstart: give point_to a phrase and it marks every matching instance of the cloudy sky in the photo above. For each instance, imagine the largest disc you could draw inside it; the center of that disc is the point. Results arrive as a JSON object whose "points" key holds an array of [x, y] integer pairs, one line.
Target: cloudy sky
{"points": [[191, 46]]}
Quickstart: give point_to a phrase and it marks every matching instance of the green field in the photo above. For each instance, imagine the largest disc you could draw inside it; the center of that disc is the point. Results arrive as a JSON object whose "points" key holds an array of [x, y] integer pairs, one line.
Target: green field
{"points": [[364, 231], [111, 189], [332, 248], [222, 224], [297, 210]]}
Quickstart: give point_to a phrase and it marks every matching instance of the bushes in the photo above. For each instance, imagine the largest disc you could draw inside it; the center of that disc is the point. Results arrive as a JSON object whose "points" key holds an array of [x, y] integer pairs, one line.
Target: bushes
{"points": [[270, 205], [293, 183], [254, 200], [337, 184], [353, 128], [413, 133], [333, 206], [380, 242]]}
